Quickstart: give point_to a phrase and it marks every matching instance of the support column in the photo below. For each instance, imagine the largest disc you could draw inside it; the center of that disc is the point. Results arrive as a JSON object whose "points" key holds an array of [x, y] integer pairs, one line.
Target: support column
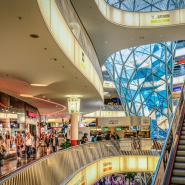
{"points": [[74, 128]]}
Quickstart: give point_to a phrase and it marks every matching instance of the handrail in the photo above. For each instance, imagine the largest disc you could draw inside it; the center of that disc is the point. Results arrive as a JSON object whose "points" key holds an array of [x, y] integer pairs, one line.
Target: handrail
{"points": [[47, 170], [174, 127]]}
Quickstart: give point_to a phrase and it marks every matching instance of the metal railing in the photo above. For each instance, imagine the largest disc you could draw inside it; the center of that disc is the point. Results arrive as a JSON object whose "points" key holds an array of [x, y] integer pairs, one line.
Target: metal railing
{"points": [[112, 108], [165, 164], [56, 168]]}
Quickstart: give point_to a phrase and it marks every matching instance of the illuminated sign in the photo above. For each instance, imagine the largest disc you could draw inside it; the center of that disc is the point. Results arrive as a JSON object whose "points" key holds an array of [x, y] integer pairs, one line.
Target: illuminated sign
{"points": [[181, 61], [81, 181], [107, 166], [73, 105], [31, 114], [175, 89], [83, 61], [155, 19]]}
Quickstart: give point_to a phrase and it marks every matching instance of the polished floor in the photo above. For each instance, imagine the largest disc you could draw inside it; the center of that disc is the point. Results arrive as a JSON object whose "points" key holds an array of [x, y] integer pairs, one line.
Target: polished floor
{"points": [[12, 164]]}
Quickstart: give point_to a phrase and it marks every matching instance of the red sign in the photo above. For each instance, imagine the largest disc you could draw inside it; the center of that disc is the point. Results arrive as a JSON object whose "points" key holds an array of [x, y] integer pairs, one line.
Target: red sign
{"points": [[31, 114], [181, 61], [107, 169]]}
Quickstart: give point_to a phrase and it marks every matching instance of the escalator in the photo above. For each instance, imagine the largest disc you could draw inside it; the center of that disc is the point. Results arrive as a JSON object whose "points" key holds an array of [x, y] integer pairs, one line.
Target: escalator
{"points": [[171, 164], [178, 173]]}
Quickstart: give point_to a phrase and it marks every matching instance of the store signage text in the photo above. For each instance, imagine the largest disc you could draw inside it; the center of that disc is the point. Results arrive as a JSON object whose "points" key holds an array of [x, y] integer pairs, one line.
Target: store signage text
{"points": [[31, 114], [107, 166], [81, 181], [113, 122], [160, 19]]}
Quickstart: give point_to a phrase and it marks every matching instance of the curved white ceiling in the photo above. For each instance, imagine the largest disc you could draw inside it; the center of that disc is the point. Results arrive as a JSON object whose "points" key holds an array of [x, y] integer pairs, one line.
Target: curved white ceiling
{"points": [[109, 38], [25, 60]]}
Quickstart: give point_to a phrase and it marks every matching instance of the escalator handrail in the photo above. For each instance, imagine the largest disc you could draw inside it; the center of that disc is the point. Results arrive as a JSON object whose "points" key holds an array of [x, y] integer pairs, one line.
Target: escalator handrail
{"points": [[168, 135]]}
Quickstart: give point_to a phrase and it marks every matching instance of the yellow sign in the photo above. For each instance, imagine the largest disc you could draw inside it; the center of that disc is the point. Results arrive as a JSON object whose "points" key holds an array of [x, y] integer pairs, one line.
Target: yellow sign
{"points": [[155, 19], [83, 61]]}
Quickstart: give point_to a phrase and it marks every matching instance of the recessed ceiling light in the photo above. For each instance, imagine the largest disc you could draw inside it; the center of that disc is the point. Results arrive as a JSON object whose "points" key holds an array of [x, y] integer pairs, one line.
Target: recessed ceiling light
{"points": [[35, 36], [40, 85], [26, 95], [73, 96]]}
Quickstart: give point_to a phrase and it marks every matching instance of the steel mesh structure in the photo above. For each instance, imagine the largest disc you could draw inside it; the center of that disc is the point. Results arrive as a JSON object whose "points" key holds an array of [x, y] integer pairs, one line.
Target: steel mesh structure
{"points": [[147, 5], [143, 78]]}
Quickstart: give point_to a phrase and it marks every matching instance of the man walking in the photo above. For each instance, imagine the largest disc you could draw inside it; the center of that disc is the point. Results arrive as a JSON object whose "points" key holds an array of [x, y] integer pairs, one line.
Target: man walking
{"points": [[19, 144], [54, 142], [29, 143]]}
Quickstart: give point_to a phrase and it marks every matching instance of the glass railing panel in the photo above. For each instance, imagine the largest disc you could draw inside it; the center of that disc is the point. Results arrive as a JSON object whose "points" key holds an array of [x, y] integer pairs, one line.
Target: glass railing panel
{"points": [[57, 167]]}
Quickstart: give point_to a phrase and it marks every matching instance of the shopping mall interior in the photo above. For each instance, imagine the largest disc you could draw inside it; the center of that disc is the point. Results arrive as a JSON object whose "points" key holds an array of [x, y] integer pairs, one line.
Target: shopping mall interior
{"points": [[92, 92]]}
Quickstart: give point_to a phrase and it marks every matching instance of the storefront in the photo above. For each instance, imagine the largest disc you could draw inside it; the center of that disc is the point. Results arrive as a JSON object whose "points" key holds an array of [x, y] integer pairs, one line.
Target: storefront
{"points": [[127, 127], [15, 116]]}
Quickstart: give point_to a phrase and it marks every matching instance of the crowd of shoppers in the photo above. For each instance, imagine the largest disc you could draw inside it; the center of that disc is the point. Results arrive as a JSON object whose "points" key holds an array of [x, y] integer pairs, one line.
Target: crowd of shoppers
{"points": [[48, 143]]}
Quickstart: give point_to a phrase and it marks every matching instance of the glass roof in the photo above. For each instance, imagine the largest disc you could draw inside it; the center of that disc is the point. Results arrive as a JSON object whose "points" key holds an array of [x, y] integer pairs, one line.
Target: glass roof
{"points": [[147, 5]]}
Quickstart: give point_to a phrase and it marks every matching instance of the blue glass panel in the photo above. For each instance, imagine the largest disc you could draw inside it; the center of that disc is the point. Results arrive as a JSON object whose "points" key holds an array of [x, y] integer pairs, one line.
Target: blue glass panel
{"points": [[145, 81]]}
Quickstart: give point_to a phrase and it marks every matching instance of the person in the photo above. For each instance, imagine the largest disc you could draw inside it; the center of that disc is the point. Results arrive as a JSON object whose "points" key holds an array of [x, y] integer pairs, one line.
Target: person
{"points": [[54, 142], [7, 141], [29, 143], [108, 136], [94, 138], [2, 154], [99, 136], [42, 145], [116, 136], [19, 141], [11, 142], [84, 139]]}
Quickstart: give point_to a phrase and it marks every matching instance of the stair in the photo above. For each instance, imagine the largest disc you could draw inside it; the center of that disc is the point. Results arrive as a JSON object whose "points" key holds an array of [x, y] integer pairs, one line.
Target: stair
{"points": [[178, 174]]}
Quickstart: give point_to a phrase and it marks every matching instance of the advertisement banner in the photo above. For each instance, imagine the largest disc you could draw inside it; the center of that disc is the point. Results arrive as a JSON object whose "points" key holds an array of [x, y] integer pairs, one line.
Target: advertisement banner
{"points": [[107, 166], [145, 121]]}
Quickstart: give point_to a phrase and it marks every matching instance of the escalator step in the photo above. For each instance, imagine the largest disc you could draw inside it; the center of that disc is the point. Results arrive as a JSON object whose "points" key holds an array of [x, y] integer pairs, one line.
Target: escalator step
{"points": [[183, 128], [183, 132], [182, 142], [178, 180], [181, 147], [180, 153], [179, 165], [178, 172], [180, 159], [182, 137]]}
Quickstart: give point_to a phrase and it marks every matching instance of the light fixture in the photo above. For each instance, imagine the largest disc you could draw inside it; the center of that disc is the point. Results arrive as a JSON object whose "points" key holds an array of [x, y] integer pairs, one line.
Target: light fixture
{"points": [[39, 85], [73, 104], [26, 95], [73, 96]]}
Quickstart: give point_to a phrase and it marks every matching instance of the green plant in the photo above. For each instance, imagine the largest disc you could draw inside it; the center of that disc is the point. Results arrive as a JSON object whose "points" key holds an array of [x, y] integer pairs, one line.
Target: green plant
{"points": [[130, 176], [65, 145]]}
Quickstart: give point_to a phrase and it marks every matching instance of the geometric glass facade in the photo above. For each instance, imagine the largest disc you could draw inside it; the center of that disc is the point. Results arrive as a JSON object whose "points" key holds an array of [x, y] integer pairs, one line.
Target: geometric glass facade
{"points": [[143, 78], [146, 6]]}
